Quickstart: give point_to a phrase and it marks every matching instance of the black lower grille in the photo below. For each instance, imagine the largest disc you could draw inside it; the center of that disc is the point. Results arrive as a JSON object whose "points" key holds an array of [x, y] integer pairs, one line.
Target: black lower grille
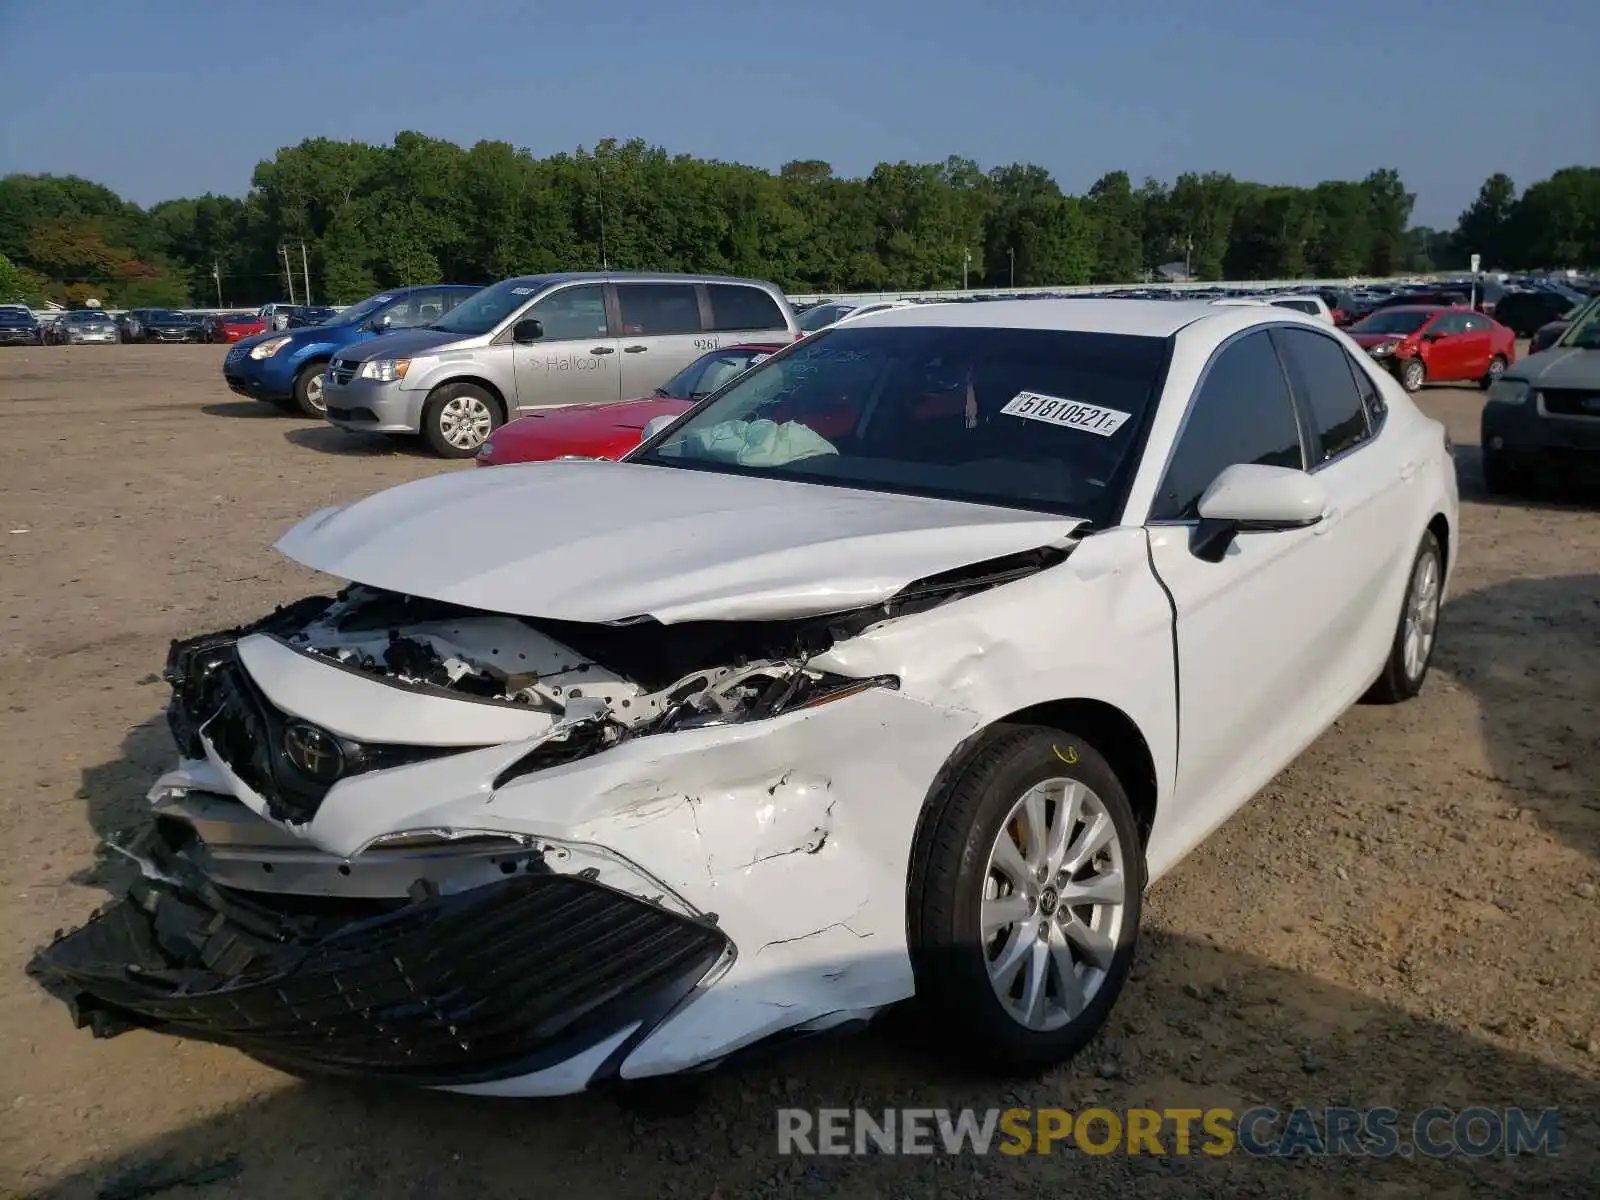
{"points": [[352, 414], [1570, 402], [497, 981]]}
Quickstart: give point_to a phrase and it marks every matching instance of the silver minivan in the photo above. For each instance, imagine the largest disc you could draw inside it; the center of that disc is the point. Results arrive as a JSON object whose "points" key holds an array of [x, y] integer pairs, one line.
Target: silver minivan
{"points": [[544, 340]]}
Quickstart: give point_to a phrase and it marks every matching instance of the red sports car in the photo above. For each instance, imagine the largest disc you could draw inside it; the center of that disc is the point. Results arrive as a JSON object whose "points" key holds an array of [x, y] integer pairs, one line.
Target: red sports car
{"points": [[1432, 344], [611, 430], [241, 325]]}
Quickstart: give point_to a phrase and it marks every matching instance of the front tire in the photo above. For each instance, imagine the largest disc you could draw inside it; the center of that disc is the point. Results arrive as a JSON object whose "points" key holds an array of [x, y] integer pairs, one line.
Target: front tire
{"points": [[1500, 478], [1415, 636], [1025, 899], [1412, 374], [458, 418], [310, 389]]}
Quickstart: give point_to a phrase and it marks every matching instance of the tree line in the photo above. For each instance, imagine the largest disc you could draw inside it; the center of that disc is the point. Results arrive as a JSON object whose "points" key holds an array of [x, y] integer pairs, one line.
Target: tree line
{"points": [[423, 209]]}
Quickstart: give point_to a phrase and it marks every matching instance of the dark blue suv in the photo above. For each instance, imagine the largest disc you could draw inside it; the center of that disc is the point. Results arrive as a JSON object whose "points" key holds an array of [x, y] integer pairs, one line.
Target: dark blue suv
{"points": [[287, 367]]}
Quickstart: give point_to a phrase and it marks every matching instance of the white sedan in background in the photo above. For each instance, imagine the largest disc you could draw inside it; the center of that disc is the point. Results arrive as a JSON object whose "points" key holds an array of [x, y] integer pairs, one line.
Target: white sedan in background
{"points": [[898, 667]]}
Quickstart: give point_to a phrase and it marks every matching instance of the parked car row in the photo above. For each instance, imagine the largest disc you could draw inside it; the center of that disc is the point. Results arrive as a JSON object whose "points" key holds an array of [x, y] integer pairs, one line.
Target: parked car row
{"points": [[454, 363]]}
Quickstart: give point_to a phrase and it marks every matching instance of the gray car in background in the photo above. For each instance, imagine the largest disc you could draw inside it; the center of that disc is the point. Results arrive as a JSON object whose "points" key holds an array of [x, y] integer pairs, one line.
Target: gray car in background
{"points": [[542, 340], [85, 326]]}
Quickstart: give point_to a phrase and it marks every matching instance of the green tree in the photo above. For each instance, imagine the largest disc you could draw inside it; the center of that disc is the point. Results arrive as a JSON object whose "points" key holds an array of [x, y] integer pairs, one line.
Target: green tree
{"points": [[1485, 226], [1118, 229]]}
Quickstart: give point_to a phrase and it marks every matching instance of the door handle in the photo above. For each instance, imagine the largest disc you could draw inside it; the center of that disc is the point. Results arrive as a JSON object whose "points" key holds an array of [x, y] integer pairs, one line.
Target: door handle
{"points": [[634, 349], [1329, 520], [602, 350], [1408, 470]]}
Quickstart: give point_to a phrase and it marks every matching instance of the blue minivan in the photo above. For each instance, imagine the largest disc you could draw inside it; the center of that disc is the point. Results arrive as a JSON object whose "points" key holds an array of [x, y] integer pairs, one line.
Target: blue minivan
{"points": [[286, 368]]}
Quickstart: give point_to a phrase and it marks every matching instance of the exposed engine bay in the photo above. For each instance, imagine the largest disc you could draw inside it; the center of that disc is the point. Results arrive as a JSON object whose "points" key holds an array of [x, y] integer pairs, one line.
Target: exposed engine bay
{"points": [[422, 643]]}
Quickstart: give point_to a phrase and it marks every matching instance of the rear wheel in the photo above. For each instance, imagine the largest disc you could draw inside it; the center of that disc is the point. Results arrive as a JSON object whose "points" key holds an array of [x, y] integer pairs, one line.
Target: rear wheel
{"points": [[1024, 903], [310, 388], [458, 418], [1412, 374], [1497, 366], [1412, 649]]}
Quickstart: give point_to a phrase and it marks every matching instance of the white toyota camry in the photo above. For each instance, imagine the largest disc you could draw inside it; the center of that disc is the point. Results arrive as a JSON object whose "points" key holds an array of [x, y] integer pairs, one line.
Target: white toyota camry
{"points": [[898, 667]]}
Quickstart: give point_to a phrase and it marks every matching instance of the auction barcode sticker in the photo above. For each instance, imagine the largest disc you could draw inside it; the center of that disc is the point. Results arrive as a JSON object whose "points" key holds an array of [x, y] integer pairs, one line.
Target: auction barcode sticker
{"points": [[1090, 418]]}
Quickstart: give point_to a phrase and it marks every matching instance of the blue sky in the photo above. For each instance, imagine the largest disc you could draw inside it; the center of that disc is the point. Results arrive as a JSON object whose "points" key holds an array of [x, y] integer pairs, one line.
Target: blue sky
{"points": [[178, 98]]}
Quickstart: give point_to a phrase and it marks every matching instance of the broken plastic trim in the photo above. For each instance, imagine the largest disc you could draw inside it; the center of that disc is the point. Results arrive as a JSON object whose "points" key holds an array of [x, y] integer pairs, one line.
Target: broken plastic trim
{"points": [[587, 736], [499, 981]]}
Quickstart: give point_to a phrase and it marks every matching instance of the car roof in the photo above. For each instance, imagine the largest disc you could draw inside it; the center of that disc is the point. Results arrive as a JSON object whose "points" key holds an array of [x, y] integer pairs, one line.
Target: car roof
{"points": [[632, 277], [1145, 318]]}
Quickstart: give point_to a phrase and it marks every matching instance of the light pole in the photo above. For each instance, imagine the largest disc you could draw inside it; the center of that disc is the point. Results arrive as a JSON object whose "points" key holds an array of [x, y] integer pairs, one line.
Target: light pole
{"points": [[1012, 255], [966, 261]]}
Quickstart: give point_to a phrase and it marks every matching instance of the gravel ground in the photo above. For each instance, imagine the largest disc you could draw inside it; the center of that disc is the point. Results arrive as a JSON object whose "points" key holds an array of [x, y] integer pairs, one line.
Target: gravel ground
{"points": [[1405, 917]]}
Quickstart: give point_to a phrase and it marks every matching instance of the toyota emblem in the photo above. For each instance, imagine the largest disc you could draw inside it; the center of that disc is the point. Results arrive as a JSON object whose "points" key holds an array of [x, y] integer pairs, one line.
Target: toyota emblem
{"points": [[314, 752]]}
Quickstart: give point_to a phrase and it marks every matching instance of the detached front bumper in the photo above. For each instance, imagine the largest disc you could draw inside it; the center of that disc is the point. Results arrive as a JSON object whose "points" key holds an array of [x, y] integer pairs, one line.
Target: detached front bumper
{"points": [[507, 979], [367, 404]]}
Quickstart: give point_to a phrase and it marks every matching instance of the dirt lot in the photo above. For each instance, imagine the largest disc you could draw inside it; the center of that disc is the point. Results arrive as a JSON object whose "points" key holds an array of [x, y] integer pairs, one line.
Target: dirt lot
{"points": [[1406, 917]]}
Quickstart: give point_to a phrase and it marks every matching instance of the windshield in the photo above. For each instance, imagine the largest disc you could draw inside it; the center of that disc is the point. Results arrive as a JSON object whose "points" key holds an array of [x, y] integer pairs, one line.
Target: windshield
{"points": [[822, 316], [12, 313], [482, 311], [240, 319], [1394, 320], [1584, 332], [1026, 418], [363, 310], [86, 315], [709, 372]]}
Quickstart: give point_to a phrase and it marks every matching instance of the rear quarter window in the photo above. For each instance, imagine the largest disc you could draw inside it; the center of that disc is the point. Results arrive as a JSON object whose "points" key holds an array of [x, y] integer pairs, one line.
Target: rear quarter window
{"points": [[736, 307]]}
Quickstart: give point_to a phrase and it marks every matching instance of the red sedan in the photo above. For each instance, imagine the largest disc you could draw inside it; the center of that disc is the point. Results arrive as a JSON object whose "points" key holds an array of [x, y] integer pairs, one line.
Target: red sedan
{"points": [[1431, 344], [611, 430], [241, 325]]}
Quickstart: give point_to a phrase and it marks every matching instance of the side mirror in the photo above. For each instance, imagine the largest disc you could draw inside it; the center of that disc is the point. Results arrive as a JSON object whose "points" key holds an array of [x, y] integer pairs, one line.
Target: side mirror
{"points": [[1248, 498], [655, 425], [526, 331]]}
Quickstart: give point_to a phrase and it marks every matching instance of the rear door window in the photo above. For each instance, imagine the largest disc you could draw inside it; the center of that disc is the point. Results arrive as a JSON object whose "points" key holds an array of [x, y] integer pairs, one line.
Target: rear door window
{"points": [[654, 309], [1322, 376]]}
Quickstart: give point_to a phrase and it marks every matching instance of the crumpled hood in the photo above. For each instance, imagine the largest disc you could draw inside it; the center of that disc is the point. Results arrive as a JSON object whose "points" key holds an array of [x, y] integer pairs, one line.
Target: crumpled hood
{"points": [[399, 343], [606, 541], [1567, 367]]}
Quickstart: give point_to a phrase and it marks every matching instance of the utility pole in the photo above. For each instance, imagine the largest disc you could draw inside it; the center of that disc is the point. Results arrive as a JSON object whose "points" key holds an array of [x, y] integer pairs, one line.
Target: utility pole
{"points": [[1012, 255], [305, 271], [1188, 254], [216, 273], [600, 177], [966, 260], [288, 275]]}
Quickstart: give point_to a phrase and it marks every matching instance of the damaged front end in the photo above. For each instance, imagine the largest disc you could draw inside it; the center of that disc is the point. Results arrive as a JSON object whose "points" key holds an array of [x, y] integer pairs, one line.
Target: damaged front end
{"points": [[465, 849]]}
